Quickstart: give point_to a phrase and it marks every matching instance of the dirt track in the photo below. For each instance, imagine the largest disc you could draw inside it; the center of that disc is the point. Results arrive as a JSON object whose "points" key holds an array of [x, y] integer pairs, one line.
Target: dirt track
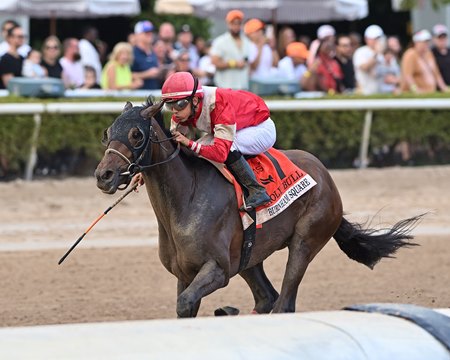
{"points": [[99, 282]]}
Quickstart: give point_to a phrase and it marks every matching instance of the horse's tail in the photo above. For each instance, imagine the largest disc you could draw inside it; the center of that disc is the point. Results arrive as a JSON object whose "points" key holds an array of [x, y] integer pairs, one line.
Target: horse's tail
{"points": [[369, 246]]}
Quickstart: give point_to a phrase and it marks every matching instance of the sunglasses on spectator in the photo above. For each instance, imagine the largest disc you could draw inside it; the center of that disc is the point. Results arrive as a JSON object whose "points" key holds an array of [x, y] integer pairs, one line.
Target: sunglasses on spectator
{"points": [[177, 105], [51, 47]]}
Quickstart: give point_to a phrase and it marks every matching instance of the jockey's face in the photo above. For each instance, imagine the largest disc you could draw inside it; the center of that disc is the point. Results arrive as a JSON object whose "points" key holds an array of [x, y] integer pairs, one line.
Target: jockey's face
{"points": [[184, 114]]}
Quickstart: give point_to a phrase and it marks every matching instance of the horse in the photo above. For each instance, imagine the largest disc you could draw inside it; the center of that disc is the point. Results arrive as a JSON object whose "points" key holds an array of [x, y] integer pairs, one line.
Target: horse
{"points": [[200, 229]]}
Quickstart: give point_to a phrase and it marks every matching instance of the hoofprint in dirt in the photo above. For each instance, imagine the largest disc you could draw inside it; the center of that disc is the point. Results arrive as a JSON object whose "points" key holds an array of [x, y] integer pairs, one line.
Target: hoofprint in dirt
{"points": [[102, 284]]}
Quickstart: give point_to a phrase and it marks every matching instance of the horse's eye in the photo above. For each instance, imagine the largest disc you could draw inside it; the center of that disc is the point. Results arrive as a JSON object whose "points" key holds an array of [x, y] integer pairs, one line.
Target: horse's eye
{"points": [[105, 137], [136, 138]]}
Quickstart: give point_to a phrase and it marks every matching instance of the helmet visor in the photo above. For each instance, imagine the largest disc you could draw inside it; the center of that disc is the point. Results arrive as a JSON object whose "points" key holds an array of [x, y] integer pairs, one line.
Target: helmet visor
{"points": [[177, 105]]}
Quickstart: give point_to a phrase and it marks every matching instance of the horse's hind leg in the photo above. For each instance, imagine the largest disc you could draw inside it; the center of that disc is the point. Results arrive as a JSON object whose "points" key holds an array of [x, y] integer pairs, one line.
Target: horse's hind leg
{"points": [[263, 292], [298, 260], [210, 278]]}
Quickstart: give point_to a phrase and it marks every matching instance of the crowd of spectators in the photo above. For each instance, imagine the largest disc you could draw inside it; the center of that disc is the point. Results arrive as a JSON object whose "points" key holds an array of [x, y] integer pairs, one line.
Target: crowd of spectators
{"points": [[249, 50]]}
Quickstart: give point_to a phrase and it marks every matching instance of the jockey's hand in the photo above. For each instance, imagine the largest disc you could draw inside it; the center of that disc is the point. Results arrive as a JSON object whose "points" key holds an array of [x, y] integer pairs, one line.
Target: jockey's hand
{"points": [[137, 179], [179, 137]]}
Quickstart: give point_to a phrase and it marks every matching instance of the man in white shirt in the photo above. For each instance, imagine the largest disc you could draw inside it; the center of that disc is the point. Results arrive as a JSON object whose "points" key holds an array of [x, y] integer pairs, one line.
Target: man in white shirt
{"points": [[229, 54], [73, 72], [262, 58], [88, 51], [292, 66], [367, 58]]}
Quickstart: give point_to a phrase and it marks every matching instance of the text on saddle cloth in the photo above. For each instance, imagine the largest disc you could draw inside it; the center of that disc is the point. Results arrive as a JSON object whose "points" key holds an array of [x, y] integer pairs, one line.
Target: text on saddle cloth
{"points": [[284, 182]]}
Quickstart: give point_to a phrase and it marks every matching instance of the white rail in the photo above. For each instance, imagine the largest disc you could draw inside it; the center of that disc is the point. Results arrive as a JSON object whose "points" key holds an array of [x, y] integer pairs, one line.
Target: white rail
{"points": [[366, 105]]}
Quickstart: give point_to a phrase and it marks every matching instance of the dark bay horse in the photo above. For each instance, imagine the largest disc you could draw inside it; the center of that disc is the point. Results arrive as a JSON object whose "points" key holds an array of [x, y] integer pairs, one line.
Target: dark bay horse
{"points": [[200, 230]]}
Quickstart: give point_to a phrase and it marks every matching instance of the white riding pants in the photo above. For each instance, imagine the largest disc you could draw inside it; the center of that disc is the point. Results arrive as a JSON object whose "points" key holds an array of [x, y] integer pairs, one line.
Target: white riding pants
{"points": [[255, 140]]}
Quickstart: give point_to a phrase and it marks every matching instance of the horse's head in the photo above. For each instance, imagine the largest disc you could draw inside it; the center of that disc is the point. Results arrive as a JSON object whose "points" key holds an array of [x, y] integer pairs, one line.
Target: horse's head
{"points": [[127, 141]]}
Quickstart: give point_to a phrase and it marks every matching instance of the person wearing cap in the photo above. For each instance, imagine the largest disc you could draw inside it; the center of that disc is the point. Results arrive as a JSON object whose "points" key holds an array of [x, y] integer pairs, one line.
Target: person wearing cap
{"points": [[367, 58], [229, 54], [292, 66], [324, 32], [263, 58], [145, 65], [236, 123], [441, 51], [185, 43], [420, 73]]}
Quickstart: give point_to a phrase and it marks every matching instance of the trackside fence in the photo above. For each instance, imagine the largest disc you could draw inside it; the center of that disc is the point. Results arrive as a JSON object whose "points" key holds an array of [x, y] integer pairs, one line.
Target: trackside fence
{"points": [[366, 106]]}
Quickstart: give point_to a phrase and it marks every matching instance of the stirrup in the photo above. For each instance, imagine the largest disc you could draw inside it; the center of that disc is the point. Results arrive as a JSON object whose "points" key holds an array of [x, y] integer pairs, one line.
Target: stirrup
{"points": [[248, 208]]}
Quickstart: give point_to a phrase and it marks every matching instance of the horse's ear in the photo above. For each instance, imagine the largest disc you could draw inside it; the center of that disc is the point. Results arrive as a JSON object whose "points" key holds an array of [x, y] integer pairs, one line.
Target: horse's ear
{"points": [[150, 111], [127, 107]]}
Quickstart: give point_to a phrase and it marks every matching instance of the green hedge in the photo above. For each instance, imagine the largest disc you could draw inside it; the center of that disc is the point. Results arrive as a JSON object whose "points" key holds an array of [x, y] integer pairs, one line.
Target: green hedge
{"points": [[334, 137]]}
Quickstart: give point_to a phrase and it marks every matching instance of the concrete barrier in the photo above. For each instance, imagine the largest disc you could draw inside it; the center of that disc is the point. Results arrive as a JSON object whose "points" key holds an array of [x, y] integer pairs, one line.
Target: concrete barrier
{"points": [[312, 335]]}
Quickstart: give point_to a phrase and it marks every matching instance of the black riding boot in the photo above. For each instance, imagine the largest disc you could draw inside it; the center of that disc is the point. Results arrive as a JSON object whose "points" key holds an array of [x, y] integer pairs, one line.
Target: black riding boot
{"points": [[239, 167]]}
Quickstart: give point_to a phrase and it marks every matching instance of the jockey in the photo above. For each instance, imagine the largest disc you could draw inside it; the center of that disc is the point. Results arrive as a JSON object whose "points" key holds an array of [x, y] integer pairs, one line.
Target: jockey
{"points": [[238, 123]]}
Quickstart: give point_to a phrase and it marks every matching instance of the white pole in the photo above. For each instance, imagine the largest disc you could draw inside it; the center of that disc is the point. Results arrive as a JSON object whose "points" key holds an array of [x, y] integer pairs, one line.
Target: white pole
{"points": [[364, 149], [32, 159]]}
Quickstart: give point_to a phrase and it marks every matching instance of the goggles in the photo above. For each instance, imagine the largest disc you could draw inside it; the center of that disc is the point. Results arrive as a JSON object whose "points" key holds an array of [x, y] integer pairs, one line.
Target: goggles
{"points": [[177, 105]]}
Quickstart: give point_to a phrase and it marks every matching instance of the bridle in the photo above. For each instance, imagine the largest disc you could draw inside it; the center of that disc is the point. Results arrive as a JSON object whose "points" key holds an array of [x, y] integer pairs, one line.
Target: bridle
{"points": [[135, 167]]}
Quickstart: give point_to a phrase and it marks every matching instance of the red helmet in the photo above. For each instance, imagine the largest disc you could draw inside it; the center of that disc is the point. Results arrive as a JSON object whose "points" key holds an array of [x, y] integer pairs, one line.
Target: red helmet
{"points": [[180, 86]]}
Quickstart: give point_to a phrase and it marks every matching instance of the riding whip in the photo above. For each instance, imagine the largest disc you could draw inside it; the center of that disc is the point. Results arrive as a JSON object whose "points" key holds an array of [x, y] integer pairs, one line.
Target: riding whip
{"points": [[96, 221]]}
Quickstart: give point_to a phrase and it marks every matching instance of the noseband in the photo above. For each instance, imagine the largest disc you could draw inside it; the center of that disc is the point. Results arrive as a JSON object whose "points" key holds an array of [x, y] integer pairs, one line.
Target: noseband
{"points": [[135, 167]]}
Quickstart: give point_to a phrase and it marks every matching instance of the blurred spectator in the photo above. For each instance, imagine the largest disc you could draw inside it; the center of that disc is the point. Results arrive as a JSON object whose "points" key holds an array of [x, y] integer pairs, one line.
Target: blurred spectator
{"points": [[51, 50], [441, 51], [145, 63], [11, 63], [355, 40], [117, 74], [90, 78], [262, 58], [366, 59], [164, 60], [305, 39], [32, 65], [293, 65], [324, 74], [285, 37], [206, 69], [200, 44], [420, 73], [184, 42], [323, 32], [88, 51], [167, 35], [183, 62], [229, 54], [73, 72], [393, 44], [388, 73], [344, 58], [23, 49], [131, 39]]}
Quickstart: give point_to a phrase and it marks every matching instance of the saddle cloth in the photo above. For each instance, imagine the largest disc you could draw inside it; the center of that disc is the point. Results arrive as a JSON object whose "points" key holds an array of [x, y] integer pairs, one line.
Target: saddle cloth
{"points": [[284, 182]]}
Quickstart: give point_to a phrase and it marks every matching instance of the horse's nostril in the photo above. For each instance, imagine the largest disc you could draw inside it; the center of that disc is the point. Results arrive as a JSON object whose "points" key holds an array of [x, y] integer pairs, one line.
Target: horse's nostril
{"points": [[107, 175]]}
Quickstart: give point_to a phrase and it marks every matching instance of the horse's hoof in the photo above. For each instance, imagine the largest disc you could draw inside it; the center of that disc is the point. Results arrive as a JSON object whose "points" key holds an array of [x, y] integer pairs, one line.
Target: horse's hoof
{"points": [[226, 311]]}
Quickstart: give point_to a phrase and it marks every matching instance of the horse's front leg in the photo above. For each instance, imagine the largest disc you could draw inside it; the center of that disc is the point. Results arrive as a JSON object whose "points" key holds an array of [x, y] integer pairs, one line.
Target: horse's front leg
{"points": [[181, 286], [210, 278]]}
